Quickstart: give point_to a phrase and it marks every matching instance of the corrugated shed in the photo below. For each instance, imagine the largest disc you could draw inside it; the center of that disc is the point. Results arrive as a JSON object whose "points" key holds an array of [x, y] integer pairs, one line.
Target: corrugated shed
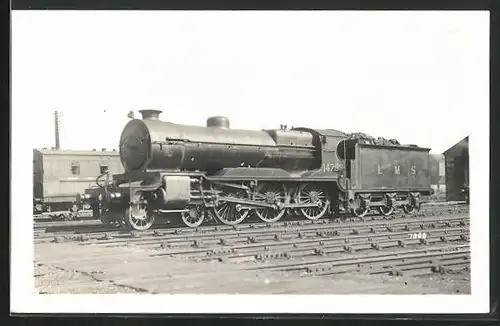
{"points": [[459, 149], [457, 169]]}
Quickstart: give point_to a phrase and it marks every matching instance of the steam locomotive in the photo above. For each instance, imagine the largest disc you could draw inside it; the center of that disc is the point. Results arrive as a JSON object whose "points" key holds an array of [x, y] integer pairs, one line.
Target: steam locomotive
{"points": [[217, 172]]}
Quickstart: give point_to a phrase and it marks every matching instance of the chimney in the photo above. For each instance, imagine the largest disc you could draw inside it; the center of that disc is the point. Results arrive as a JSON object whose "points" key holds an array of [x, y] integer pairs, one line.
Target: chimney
{"points": [[150, 114], [56, 121]]}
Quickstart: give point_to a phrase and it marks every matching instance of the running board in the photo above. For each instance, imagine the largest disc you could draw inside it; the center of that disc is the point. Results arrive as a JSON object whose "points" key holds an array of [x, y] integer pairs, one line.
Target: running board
{"points": [[253, 204]]}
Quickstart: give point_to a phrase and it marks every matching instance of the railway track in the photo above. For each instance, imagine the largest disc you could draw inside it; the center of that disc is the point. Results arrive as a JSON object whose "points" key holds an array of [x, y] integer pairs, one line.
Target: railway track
{"points": [[38, 222], [44, 218], [310, 244], [442, 249], [93, 232], [160, 275], [95, 226], [315, 246], [414, 262], [319, 249]]}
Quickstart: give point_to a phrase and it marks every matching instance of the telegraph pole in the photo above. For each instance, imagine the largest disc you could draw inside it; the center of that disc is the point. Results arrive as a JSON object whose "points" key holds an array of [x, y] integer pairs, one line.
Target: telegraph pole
{"points": [[56, 120]]}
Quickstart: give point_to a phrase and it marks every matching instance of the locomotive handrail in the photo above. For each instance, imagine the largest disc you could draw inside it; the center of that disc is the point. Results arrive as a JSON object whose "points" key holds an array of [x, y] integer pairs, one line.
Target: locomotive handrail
{"points": [[176, 139], [188, 141]]}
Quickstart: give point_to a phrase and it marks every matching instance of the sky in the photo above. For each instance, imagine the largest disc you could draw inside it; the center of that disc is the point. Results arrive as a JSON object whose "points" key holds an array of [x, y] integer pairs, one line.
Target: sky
{"points": [[419, 77]]}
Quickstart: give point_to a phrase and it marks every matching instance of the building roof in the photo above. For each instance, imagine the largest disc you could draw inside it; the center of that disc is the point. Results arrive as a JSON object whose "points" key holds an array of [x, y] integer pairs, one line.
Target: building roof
{"points": [[458, 149], [46, 151]]}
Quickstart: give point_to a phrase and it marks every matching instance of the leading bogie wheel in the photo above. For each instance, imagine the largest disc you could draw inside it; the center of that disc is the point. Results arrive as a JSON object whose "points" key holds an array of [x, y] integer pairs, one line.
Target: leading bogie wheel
{"points": [[194, 217], [139, 218]]}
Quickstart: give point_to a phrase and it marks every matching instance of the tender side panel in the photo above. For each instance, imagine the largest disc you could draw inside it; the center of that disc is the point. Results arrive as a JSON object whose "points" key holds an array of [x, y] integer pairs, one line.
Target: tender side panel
{"points": [[380, 168]]}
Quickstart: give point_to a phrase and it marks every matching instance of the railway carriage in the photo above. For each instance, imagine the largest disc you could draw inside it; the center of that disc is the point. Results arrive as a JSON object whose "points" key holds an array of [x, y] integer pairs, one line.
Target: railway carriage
{"points": [[59, 175], [227, 174]]}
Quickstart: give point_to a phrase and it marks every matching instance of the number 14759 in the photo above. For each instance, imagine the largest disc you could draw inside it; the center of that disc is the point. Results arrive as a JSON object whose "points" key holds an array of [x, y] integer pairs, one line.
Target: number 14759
{"points": [[330, 167]]}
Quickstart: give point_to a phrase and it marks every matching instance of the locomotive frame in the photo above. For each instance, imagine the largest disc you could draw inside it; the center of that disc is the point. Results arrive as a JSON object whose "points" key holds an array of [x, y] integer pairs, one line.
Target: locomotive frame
{"points": [[306, 171]]}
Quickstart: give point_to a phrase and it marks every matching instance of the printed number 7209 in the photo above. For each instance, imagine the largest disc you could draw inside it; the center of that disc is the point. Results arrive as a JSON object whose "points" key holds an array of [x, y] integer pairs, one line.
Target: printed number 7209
{"points": [[419, 235]]}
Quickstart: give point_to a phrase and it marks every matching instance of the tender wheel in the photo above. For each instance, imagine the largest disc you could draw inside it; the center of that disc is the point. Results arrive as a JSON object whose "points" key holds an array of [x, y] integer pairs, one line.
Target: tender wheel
{"points": [[360, 211], [412, 207], [311, 194], [139, 218], [226, 212], [385, 210], [362, 208], [409, 209], [270, 194], [194, 217]]}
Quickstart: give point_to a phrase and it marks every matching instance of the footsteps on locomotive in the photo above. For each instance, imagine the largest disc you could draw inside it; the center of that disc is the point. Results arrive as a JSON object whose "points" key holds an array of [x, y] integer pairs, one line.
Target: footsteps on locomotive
{"points": [[214, 172]]}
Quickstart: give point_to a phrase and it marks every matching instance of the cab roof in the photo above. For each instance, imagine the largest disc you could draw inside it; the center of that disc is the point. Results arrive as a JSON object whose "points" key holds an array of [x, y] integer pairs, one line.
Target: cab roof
{"points": [[323, 132]]}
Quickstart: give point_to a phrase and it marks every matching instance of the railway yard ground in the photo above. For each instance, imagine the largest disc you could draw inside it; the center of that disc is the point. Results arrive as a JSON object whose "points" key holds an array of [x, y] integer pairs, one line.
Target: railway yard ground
{"points": [[424, 254]]}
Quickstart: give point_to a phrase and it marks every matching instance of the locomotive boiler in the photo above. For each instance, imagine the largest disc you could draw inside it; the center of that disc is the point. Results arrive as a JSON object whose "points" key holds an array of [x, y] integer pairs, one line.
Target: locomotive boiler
{"points": [[230, 174], [154, 144]]}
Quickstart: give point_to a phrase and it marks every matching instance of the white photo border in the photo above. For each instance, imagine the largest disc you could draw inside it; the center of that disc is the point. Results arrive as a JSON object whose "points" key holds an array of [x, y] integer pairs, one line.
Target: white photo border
{"points": [[25, 300]]}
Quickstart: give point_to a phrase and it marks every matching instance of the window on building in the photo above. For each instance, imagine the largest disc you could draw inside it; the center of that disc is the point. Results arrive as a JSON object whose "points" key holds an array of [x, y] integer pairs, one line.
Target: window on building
{"points": [[104, 169], [75, 168]]}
